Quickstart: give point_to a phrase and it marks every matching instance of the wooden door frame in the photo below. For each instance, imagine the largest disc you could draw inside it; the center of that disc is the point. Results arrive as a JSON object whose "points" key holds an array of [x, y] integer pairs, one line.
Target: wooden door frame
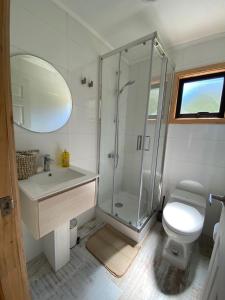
{"points": [[13, 273]]}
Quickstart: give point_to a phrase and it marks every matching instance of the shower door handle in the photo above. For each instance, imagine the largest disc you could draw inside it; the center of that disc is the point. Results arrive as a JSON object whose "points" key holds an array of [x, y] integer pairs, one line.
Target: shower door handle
{"points": [[143, 142], [139, 142]]}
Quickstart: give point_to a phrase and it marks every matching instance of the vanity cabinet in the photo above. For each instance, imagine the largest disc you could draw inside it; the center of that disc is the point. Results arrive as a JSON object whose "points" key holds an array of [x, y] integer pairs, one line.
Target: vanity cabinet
{"points": [[45, 215]]}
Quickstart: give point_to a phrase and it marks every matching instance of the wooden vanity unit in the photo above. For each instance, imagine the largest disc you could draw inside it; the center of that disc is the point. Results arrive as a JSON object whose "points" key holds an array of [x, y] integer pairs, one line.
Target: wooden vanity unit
{"points": [[49, 200], [45, 215]]}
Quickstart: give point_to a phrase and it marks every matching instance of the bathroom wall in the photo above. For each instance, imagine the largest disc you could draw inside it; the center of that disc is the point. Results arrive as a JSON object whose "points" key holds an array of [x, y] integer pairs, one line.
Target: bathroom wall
{"points": [[197, 151], [40, 28], [193, 151]]}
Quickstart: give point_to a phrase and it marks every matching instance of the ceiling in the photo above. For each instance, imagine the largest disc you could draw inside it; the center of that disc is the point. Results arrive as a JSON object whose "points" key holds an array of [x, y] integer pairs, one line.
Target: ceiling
{"points": [[177, 21]]}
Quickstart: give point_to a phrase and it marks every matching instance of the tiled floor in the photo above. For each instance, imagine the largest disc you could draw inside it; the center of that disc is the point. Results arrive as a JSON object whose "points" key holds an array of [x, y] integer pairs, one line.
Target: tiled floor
{"points": [[149, 277]]}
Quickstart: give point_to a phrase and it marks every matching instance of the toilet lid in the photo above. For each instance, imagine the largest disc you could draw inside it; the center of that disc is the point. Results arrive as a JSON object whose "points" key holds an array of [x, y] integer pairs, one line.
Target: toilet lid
{"points": [[183, 218]]}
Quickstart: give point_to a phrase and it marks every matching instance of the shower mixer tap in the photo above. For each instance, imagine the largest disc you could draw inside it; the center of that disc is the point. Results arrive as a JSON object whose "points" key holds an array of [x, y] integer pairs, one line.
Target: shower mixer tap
{"points": [[113, 155]]}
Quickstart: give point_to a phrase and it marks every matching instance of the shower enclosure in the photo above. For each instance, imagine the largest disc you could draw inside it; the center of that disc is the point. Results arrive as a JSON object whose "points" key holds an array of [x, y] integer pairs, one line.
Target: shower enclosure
{"points": [[134, 93]]}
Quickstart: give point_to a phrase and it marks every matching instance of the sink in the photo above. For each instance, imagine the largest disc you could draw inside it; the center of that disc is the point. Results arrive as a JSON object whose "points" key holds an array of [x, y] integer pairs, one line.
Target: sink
{"points": [[59, 179], [49, 200], [49, 179]]}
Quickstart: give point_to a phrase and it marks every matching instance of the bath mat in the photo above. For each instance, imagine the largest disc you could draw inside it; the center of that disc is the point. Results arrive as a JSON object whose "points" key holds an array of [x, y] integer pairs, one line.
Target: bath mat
{"points": [[114, 250]]}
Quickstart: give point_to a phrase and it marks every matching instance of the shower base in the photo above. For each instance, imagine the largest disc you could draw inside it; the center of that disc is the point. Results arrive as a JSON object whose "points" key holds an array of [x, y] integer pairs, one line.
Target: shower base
{"points": [[125, 207], [135, 234], [124, 215]]}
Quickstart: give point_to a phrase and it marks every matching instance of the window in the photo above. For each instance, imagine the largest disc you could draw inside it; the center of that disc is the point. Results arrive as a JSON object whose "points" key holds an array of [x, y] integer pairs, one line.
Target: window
{"points": [[202, 96], [199, 96], [153, 101]]}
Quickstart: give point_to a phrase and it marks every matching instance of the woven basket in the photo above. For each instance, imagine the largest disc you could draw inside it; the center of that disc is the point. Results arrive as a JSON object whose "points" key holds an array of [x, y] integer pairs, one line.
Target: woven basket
{"points": [[26, 163]]}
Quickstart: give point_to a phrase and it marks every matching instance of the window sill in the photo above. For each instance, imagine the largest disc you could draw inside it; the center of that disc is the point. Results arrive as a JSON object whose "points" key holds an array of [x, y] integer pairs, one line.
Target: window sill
{"points": [[197, 121]]}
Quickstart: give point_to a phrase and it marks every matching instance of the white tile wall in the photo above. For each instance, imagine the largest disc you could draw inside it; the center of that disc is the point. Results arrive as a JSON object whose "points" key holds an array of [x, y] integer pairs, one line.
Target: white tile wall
{"points": [[197, 151], [40, 28], [54, 36]]}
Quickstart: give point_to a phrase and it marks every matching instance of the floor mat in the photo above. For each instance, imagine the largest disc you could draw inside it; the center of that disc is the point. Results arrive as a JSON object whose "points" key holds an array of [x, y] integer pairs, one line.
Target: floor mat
{"points": [[114, 250]]}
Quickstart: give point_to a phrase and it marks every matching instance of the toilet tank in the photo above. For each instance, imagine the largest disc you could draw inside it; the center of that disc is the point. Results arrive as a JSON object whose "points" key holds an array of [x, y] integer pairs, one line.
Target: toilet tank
{"points": [[191, 186], [188, 198], [189, 192]]}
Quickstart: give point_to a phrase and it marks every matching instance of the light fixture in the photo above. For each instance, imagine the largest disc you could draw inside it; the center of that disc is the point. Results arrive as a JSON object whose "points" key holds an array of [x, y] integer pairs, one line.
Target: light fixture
{"points": [[148, 1]]}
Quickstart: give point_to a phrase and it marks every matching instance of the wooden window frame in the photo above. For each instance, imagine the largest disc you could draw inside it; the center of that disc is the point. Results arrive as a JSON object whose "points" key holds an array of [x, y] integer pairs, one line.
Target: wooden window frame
{"points": [[207, 70]]}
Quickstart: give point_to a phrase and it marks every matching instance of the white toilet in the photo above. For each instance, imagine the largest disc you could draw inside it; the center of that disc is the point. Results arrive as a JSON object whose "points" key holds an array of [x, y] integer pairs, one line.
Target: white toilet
{"points": [[183, 218]]}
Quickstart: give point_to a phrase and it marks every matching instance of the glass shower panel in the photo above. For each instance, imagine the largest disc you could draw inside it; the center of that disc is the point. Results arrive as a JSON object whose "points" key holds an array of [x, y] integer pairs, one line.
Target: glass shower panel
{"points": [[148, 174], [109, 77], [132, 103], [157, 195]]}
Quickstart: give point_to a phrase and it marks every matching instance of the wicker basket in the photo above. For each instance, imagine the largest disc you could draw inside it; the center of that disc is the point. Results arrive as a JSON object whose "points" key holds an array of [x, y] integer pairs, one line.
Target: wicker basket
{"points": [[26, 163]]}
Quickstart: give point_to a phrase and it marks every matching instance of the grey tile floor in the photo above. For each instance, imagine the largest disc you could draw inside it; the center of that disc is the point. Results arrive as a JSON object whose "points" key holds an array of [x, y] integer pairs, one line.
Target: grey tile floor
{"points": [[150, 277]]}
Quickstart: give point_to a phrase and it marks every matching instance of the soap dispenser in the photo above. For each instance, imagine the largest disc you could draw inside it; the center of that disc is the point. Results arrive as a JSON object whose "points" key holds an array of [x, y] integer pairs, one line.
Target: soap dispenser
{"points": [[65, 159]]}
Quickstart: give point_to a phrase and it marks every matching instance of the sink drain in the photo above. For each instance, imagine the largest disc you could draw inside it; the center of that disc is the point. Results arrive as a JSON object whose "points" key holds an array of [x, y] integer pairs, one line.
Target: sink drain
{"points": [[118, 204]]}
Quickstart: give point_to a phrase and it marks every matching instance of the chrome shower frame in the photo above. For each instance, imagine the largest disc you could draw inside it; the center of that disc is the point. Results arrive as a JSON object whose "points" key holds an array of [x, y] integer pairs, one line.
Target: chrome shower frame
{"points": [[155, 43]]}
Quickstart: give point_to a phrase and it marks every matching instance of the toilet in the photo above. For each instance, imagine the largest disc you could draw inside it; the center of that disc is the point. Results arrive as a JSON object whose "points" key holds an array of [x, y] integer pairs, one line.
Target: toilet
{"points": [[183, 219]]}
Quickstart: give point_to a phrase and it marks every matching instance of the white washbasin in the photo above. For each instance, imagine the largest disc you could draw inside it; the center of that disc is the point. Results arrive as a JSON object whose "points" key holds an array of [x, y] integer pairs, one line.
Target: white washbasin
{"points": [[57, 180], [55, 177]]}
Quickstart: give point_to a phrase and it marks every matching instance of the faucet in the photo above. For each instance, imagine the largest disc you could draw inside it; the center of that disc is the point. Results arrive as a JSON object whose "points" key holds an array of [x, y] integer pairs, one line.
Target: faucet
{"points": [[47, 161]]}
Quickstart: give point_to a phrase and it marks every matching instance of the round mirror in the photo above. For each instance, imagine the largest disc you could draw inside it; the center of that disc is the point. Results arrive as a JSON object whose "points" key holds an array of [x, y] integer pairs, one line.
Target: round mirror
{"points": [[42, 101]]}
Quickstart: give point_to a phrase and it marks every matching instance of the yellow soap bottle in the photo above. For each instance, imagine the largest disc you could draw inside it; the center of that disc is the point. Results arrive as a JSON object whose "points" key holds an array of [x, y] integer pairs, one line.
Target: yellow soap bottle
{"points": [[65, 159]]}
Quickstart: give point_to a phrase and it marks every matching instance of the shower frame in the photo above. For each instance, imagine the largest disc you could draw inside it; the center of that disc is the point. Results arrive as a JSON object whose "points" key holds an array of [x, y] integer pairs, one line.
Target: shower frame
{"points": [[166, 60]]}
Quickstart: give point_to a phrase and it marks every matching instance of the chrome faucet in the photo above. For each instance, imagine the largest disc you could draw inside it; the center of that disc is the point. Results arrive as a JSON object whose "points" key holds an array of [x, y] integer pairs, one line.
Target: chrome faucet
{"points": [[47, 161]]}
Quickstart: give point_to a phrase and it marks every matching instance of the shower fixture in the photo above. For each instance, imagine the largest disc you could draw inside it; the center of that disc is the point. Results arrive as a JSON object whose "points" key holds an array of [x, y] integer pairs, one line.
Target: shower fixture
{"points": [[116, 120], [130, 82]]}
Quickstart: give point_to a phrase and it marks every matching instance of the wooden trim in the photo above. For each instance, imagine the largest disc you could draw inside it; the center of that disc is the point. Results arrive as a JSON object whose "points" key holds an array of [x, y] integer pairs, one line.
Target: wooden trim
{"points": [[13, 274], [211, 69]]}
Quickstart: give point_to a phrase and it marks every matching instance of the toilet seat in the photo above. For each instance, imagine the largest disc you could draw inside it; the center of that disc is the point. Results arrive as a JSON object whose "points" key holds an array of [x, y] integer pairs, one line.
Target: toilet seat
{"points": [[182, 218]]}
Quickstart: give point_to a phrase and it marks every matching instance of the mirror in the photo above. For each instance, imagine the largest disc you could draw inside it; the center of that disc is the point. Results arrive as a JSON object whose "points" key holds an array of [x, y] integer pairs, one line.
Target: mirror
{"points": [[41, 99]]}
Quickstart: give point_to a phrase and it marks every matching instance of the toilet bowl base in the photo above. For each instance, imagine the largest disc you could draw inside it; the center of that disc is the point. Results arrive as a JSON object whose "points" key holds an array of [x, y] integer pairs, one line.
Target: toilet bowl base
{"points": [[176, 253]]}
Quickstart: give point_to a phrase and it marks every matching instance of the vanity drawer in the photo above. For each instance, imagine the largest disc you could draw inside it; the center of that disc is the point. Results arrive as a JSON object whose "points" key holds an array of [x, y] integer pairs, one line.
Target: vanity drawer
{"points": [[60, 208]]}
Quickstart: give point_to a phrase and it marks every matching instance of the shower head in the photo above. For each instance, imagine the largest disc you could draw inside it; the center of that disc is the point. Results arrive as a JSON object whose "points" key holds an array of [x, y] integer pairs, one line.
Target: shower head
{"points": [[130, 82]]}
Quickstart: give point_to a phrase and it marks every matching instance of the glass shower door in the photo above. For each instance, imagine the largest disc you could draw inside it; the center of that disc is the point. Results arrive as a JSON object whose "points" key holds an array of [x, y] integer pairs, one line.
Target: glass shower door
{"points": [[156, 129], [160, 155], [134, 95], [132, 101], [151, 134], [109, 79]]}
